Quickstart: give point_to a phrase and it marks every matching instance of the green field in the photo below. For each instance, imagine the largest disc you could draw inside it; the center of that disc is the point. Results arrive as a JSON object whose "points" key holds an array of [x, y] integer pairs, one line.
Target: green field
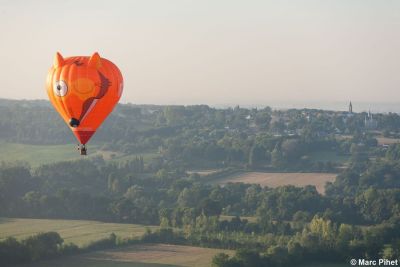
{"points": [[37, 155], [325, 156], [79, 232], [147, 156]]}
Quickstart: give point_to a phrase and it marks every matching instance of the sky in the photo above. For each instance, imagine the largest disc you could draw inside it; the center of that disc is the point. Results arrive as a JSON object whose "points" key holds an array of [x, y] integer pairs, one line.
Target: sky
{"points": [[216, 52]]}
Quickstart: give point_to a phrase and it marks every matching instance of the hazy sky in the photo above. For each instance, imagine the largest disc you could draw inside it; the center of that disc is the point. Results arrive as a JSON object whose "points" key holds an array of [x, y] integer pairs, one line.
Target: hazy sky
{"points": [[211, 51]]}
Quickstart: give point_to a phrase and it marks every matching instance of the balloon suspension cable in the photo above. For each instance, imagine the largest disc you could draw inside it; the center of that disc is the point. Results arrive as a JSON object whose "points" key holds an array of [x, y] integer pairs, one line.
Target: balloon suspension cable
{"points": [[82, 149]]}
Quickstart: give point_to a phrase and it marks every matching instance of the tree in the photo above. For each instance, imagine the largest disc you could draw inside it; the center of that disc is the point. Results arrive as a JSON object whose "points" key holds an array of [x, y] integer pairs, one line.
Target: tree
{"points": [[220, 260], [345, 235], [393, 153], [175, 114], [291, 149], [277, 159], [210, 207], [263, 119], [325, 230], [43, 245], [278, 254], [12, 252], [257, 156]]}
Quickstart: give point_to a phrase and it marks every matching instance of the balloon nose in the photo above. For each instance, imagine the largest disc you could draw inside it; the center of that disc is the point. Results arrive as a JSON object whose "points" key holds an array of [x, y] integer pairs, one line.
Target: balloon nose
{"points": [[74, 122]]}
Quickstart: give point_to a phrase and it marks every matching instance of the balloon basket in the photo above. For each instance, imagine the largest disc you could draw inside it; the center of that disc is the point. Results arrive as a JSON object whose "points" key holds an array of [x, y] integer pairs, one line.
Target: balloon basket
{"points": [[82, 150]]}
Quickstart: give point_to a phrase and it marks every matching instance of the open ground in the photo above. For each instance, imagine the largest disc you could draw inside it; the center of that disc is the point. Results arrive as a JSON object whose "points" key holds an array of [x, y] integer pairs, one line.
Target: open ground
{"points": [[272, 179], [79, 232], [146, 255]]}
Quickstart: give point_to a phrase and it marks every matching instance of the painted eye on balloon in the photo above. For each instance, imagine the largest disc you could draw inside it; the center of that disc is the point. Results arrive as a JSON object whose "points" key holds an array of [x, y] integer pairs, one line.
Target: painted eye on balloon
{"points": [[60, 88]]}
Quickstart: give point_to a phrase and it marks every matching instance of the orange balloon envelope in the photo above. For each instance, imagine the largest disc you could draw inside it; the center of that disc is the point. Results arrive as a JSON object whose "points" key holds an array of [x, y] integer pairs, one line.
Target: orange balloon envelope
{"points": [[84, 90]]}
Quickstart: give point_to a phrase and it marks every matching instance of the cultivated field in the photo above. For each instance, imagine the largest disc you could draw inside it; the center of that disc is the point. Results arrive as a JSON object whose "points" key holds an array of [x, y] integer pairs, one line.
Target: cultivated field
{"points": [[78, 232], [279, 179], [387, 140], [148, 255]]}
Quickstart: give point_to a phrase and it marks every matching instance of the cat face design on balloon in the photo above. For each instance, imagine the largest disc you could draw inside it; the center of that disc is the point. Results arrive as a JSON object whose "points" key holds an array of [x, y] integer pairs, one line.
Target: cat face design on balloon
{"points": [[84, 90], [85, 85]]}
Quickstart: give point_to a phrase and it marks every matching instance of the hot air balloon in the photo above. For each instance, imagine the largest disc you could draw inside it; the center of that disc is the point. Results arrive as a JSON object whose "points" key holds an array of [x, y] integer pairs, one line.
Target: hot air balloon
{"points": [[84, 90]]}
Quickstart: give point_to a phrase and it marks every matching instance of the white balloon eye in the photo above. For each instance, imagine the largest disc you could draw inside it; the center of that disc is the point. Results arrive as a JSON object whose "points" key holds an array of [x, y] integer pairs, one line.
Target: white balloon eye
{"points": [[60, 88]]}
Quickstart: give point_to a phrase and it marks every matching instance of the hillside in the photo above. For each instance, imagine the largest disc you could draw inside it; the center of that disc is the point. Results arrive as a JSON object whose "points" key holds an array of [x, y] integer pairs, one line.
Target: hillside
{"points": [[278, 187]]}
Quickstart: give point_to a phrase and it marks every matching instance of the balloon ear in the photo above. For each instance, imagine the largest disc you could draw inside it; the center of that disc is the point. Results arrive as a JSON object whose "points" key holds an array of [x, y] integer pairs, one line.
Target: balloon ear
{"points": [[58, 60], [95, 61]]}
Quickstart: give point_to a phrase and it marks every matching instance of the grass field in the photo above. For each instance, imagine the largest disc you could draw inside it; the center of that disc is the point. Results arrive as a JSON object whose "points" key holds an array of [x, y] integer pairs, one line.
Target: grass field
{"points": [[147, 156], [37, 155], [149, 255], [278, 179], [325, 156], [78, 232]]}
